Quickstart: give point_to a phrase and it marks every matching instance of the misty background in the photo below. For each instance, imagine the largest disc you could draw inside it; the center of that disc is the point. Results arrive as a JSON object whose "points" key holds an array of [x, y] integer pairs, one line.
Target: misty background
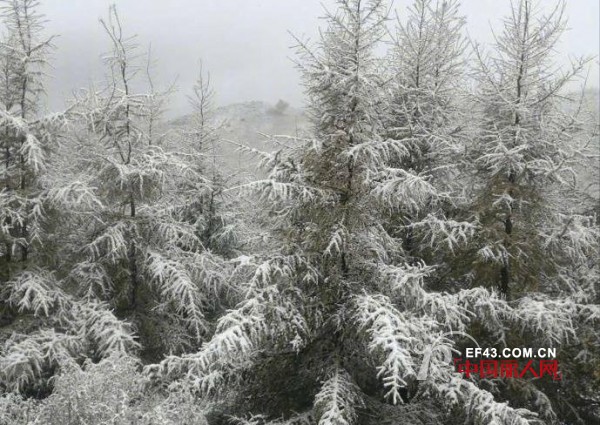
{"points": [[245, 45]]}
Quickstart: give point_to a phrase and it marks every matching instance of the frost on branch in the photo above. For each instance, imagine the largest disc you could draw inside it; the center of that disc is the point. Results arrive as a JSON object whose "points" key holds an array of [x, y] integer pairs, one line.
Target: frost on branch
{"points": [[480, 405], [403, 188], [176, 286], [34, 291], [391, 336], [26, 359], [337, 400], [442, 234], [266, 317], [82, 328], [102, 329]]}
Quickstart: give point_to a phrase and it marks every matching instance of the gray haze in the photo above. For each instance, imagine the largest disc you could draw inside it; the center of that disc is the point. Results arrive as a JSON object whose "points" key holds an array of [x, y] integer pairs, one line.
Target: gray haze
{"points": [[243, 43]]}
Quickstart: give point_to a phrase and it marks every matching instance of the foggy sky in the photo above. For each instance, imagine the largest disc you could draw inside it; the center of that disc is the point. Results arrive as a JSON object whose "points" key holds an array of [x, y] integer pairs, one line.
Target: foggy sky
{"points": [[243, 43]]}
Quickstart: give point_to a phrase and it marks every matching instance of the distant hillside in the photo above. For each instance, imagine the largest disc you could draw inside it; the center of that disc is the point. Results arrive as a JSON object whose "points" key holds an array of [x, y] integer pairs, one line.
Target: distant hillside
{"points": [[591, 101], [244, 123]]}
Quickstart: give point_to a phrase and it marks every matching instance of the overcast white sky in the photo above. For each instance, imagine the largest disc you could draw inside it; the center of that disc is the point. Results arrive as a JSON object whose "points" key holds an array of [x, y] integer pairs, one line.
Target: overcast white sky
{"points": [[243, 43]]}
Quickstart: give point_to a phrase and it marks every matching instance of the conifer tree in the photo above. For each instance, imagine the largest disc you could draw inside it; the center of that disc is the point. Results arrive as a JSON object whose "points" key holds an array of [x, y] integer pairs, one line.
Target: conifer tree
{"points": [[28, 138], [129, 272], [535, 238], [426, 64], [26, 135], [332, 323], [214, 214], [141, 253]]}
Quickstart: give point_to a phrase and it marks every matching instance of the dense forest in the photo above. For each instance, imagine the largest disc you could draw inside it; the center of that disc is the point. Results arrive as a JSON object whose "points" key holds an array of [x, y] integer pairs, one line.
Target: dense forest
{"points": [[443, 192]]}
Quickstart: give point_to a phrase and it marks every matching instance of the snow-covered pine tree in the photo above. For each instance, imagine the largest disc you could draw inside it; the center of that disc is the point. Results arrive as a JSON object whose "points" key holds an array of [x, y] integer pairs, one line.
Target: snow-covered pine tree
{"points": [[525, 151], [214, 214], [427, 72], [426, 62], [28, 138], [285, 325], [333, 321], [70, 321], [122, 249], [535, 242], [25, 135], [129, 194]]}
